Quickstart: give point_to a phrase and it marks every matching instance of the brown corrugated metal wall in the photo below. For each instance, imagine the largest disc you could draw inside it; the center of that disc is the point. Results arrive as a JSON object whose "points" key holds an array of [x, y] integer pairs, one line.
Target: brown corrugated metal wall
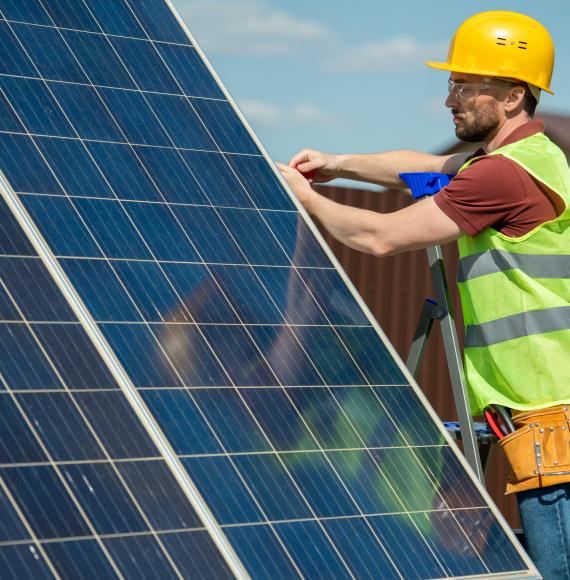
{"points": [[394, 289]]}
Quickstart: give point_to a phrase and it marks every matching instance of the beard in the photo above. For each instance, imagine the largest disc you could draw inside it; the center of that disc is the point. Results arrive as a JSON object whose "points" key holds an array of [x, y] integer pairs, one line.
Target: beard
{"points": [[485, 121]]}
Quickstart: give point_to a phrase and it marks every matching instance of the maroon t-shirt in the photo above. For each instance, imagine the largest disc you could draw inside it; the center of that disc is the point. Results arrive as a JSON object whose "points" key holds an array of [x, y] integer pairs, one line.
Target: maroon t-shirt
{"points": [[495, 192]]}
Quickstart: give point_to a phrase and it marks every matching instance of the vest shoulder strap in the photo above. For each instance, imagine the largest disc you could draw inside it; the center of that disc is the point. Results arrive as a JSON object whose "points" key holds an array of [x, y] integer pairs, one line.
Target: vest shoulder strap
{"points": [[541, 159]]}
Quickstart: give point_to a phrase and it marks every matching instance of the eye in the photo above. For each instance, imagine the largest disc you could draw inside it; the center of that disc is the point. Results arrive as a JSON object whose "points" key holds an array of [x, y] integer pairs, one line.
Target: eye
{"points": [[465, 91]]}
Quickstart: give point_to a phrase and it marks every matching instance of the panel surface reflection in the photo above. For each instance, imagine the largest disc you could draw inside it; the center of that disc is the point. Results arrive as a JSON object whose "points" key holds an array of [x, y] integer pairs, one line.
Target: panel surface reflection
{"points": [[268, 382]]}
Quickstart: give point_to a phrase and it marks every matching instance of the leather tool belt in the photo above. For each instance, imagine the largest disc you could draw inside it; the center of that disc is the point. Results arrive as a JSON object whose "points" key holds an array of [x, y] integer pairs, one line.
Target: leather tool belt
{"points": [[538, 451]]}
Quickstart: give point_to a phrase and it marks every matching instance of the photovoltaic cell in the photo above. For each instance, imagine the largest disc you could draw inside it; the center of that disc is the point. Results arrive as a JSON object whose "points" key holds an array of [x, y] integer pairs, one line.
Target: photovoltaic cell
{"points": [[64, 425], [115, 18], [188, 388]]}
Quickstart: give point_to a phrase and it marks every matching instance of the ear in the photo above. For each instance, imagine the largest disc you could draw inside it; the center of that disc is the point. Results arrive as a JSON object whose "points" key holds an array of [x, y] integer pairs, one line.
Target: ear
{"points": [[514, 98]]}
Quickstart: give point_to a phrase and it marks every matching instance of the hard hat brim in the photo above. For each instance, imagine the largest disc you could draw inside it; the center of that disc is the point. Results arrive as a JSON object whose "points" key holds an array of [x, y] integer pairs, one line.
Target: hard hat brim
{"points": [[451, 68]]}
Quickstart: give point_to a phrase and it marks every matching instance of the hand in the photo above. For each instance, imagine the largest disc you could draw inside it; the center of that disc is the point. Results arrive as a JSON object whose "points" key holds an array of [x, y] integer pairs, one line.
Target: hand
{"points": [[316, 166], [299, 185]]}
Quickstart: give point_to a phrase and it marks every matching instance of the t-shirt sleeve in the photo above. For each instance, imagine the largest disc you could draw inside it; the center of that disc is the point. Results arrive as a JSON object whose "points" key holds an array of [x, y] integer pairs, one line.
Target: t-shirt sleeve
{"points": [[486, 194]]}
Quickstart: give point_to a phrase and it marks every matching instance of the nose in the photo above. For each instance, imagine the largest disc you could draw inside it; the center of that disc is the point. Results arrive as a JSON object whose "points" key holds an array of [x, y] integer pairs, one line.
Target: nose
{"points": [[451, 100]]}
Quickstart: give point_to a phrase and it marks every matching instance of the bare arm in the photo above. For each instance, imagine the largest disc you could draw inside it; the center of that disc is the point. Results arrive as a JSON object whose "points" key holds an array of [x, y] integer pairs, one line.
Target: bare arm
{"points": [[420, 225], [379, 168]]}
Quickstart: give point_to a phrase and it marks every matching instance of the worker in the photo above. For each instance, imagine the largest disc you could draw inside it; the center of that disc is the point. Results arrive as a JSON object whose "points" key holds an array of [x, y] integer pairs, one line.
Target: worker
{"points": [[509, 208]]}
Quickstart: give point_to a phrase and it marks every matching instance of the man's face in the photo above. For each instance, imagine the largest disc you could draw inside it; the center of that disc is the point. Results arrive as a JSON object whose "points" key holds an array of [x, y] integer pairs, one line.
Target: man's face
{"points": [[476, 109]]}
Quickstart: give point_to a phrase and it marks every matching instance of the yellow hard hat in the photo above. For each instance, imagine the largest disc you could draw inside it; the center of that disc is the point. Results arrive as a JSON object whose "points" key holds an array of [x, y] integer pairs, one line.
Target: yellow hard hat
{"points": [[502, 44]]}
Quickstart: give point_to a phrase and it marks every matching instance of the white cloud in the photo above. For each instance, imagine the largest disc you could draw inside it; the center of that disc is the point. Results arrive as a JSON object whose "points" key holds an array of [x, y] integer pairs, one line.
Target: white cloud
{"points": [[256, 28], [262, 113], [307, 113], [391, 54], [250, 27], [271, 114]]}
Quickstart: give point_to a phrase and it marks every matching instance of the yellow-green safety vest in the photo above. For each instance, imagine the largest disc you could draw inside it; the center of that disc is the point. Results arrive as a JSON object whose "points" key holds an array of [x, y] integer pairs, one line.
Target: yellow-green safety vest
{"points": [[515, 295]]}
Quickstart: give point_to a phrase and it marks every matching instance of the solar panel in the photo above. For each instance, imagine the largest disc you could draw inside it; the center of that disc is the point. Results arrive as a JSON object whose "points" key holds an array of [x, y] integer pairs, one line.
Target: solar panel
{"points": [[189, 385]]}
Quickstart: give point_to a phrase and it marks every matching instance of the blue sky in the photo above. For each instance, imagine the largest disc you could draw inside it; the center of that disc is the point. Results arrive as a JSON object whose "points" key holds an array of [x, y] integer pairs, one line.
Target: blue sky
{"points": [[349, 76]]}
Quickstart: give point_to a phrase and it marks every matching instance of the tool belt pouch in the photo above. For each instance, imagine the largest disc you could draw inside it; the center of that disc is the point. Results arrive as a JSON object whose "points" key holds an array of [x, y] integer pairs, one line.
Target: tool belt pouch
{"points": [[538, 451]]}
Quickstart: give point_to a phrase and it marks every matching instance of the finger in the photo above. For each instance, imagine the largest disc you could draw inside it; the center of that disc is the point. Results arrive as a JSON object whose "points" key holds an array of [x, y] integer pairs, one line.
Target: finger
{"points": [[309, 166], [284, 168], [300, 157]]}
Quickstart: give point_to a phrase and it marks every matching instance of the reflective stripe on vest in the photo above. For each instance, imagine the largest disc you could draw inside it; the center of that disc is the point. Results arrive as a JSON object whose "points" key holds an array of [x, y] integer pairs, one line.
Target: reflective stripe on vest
{"points": [[517, 326], [534, 265], [515, 294]]}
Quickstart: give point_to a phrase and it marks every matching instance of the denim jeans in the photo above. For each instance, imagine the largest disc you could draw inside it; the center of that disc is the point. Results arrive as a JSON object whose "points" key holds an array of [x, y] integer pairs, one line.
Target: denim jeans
{"points": [[545, 516]]}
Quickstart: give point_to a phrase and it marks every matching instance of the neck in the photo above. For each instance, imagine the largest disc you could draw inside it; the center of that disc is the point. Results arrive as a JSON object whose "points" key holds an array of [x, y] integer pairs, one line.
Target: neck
{"points": [[501, 132]]}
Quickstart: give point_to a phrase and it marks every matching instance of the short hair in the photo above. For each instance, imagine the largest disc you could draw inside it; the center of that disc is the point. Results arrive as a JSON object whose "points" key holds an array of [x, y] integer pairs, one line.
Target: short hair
{"points": [[529, 102]]}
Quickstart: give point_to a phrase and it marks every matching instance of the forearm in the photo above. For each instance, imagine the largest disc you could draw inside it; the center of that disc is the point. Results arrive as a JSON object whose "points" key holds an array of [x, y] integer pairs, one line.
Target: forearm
{"points": [[355, 227], [419, 225], [383, 168]]}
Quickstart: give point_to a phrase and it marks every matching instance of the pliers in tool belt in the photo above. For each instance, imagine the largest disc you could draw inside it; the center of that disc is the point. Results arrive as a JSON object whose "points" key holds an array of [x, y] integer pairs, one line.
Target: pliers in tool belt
{"points": [[499, 420]]}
